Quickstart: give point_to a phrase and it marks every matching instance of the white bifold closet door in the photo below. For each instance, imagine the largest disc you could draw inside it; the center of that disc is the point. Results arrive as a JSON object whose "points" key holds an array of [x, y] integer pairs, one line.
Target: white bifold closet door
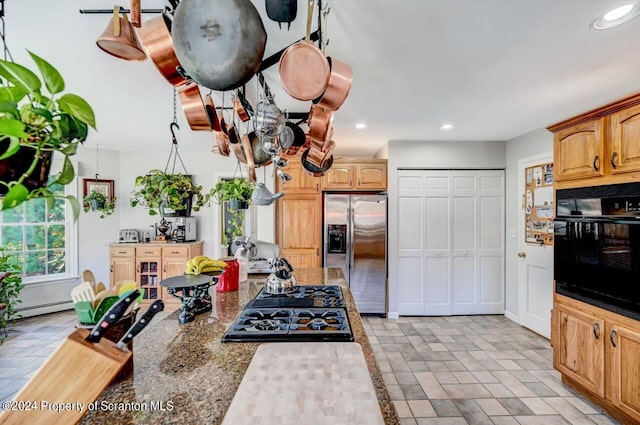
{"points": [[450, 242]]}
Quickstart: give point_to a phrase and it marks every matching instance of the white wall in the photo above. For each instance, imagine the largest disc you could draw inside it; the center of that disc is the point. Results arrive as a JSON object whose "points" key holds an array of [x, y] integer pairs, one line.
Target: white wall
{"points": [[434, 155], [534, 143]]}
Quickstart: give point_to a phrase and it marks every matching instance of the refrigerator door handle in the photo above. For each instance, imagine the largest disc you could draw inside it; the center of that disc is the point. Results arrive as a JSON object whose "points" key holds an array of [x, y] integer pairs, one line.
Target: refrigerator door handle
{"points": [[351, 237]]}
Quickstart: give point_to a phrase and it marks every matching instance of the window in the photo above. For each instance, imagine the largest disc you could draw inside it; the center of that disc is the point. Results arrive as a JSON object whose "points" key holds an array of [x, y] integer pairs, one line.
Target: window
{"points": [[41, 238]]}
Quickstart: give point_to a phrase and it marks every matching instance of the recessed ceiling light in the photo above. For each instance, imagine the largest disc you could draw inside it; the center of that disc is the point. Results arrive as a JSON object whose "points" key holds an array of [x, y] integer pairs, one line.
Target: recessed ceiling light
{"points": [[447, 126], [617, 16], [361, 125]]}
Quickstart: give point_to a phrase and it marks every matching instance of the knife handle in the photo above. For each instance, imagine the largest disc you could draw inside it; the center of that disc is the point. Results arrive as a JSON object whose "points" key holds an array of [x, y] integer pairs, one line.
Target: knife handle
{"points": [[112, 316], [141, 323]]}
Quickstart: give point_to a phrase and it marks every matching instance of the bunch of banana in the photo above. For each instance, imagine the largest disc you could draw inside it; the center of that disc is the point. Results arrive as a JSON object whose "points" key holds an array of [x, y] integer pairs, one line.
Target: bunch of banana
{"points": [[203, 264]]}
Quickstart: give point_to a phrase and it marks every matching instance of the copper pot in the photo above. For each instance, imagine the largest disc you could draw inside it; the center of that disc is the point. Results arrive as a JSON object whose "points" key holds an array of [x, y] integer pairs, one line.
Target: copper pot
{"points": [[193, 108], [119, 39], [312, 169], [156, 39], [320, 119], [338, 87], [248, 153], [220, 138], [304, 69]]}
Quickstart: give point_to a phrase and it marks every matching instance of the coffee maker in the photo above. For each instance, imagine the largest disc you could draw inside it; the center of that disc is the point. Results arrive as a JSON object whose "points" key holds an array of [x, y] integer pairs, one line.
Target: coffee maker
{"points": [[184, 228]]}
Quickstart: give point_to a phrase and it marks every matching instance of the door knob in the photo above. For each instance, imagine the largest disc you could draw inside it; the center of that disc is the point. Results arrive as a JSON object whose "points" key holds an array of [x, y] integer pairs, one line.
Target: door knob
{"points": [[522, 254]]}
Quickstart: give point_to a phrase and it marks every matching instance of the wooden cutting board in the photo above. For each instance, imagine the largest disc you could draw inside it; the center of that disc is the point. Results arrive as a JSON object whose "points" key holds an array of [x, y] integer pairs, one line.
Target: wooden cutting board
{"points": [[74, 376], [314, 383]]}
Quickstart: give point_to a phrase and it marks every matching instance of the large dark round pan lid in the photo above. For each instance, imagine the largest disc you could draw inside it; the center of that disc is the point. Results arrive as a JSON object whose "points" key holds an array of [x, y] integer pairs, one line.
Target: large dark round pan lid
{"points": [[219, 43]]}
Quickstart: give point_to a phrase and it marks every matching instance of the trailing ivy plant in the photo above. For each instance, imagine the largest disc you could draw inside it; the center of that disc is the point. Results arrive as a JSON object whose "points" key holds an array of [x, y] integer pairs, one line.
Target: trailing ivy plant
{"points": [[35, 116], [10, 287], [158, 190], [96, 201]]}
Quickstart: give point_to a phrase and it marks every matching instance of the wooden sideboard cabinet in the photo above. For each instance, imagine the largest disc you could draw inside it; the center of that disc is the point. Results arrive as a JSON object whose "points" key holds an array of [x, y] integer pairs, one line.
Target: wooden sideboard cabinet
{"points": [[597, 352], [149, 263], [599, 147]]}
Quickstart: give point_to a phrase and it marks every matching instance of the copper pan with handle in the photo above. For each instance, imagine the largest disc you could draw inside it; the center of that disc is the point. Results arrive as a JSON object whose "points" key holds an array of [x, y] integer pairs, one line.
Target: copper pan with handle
{"points": [[320, 119], [339, 80], [155, 35], [220, 138], [304, 69], [193, 107]]}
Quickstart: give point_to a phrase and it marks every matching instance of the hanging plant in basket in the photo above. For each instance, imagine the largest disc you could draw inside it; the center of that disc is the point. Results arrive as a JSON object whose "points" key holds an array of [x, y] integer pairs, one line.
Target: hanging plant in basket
{"points": [[96, 201], [237, 193], [159, 191], [35, 122]]}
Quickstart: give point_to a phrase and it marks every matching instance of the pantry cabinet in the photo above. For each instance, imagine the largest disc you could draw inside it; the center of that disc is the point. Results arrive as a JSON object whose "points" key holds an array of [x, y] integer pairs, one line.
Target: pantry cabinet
{"points": [[149, 263], [597, 352], [599, 147]]}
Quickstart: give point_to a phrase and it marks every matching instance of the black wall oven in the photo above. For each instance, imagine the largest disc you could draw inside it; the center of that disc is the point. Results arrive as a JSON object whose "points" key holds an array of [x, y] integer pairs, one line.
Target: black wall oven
{"points": [[597, 246]]}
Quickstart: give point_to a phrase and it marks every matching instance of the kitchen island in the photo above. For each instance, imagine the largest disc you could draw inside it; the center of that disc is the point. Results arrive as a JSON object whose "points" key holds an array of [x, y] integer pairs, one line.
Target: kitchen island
{"points": [[184, 374]]}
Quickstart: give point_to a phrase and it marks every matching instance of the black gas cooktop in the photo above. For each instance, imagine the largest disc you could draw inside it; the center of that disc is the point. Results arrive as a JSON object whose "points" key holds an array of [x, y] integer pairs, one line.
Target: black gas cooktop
{"points": [[310, 313]]}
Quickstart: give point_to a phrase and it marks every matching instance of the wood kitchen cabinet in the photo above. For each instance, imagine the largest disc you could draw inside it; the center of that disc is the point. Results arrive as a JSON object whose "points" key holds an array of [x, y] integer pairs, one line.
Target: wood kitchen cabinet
{"points": [[301, 182], [356, 174], [597, 352], [581, 348], [579, 151], [625, 141], [148, 264], [599, 147], [299, 229]]}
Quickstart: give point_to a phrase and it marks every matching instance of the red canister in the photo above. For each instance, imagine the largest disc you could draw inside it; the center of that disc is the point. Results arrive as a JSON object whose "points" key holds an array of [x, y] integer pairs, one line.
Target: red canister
{"points": [[228, 281]]}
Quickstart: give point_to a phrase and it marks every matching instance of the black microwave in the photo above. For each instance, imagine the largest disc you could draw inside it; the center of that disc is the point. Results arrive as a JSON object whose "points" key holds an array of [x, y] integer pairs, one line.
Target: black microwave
{"points": [[597, 246]]}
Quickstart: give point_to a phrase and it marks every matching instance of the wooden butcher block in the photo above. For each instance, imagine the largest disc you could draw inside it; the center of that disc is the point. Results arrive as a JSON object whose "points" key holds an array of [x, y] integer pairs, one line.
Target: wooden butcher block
{"points": [[312, 383]]}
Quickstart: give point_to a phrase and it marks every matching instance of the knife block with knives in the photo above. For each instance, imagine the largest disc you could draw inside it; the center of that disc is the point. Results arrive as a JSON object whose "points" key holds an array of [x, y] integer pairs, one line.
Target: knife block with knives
{"points": [[64, 379]]}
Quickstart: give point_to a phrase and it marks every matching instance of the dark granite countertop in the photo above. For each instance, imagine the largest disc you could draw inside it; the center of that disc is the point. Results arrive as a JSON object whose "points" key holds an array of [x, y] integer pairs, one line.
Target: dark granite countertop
{"points": [[183, 374]]}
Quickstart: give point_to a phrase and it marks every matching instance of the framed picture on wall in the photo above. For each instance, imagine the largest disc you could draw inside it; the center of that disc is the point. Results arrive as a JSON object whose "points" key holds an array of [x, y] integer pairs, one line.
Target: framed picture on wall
{"points": [[105, 187]]}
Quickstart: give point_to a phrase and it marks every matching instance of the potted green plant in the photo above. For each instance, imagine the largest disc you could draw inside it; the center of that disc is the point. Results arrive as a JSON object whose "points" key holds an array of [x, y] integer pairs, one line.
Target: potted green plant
{"points": [[36, 120], [97, 201], [10, 287], [158, 191], [237, 193]]}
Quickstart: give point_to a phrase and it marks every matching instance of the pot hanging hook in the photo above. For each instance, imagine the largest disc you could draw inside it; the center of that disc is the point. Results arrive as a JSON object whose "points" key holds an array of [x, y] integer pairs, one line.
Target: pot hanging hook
{"points": [[173, 134]]}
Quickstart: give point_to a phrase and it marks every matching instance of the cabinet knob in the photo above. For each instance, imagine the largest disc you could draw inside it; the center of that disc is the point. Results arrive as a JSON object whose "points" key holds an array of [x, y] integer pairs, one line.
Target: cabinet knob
{"points": [[596, 163], [613, 159], [438, 253], [464, 253], [612, 336], [596, 330], [522, 254]]}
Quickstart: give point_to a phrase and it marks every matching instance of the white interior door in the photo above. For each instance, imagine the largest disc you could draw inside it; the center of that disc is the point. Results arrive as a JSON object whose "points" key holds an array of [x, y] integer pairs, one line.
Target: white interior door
{"points": [[535, 266], [450, 242]]}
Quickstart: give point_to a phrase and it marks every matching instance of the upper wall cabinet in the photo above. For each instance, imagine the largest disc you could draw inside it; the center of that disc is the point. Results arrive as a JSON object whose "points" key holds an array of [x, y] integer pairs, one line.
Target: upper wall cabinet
{"points": [[600, 146], [356, 174], [625, 140], [579, 150]]}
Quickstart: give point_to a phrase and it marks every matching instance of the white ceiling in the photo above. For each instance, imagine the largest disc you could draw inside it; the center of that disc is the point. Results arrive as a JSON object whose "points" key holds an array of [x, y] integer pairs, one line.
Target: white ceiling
{"points": [[496, 68]]}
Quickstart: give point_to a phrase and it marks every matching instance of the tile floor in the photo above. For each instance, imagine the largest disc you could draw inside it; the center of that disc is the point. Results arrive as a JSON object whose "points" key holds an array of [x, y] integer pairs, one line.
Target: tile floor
{"points": [[474, 370], [439, 370]]}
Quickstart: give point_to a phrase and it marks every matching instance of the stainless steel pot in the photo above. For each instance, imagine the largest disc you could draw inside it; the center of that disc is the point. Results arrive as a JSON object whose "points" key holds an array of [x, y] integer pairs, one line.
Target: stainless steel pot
{"points": [[281, 281]]}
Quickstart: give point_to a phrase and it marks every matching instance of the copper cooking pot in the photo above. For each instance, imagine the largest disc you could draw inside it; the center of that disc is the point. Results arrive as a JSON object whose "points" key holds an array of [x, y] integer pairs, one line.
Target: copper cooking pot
{"points": [[312, 169], [119, 39], [320, 119], [248, 151], [156, 39], [339, 86], [304, 69], [194, 109], [220, 138]]}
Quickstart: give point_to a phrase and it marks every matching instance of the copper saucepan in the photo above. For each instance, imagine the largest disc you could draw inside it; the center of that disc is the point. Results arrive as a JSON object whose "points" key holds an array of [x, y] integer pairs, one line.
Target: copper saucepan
{"points": [[320, 119], [312, 169], [193, 108], [248, 152], [304, 69], [221, 139], [155, 36], [339, 86]]}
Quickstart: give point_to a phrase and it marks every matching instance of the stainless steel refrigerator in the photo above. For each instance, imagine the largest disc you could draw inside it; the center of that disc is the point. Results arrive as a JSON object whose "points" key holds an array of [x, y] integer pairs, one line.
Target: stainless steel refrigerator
{"points": [[355, 239]]}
